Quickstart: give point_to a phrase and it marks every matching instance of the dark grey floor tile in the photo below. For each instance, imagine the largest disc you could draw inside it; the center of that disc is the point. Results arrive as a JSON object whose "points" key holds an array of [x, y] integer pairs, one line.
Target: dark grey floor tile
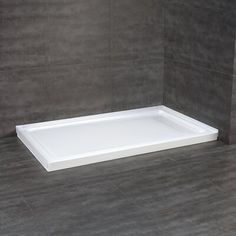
{"points": [[182, 200], [184, 191], [16, 217], [182, 155], [95, 208], [34, 202], [177, 203]]}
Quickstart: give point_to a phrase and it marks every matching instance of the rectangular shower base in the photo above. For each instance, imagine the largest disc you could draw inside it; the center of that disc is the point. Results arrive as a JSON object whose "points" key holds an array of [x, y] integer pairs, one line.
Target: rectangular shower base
{"points": [[84, 140]]}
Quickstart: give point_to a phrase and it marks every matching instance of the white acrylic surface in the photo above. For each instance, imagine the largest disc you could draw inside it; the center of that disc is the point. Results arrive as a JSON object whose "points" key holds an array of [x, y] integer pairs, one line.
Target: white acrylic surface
{"points": [[84, 140]]}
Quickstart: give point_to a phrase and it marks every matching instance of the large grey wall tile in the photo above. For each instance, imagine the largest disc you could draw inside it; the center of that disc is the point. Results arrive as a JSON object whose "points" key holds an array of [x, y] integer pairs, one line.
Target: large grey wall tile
{"points": [[51, 93], [79, 90], [199, 35], [55, 58], [136, 85], [213, 39], [23, 39], [136, 29], [232, 135], [229, 5], [178, 37], [78, 31], [199, 57], [209, 4], [22, 98], [200, 93]]}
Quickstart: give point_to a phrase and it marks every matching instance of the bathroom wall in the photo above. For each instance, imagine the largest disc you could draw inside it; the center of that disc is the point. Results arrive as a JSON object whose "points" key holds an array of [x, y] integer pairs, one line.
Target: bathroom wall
{"points": [[66, 58], [61, 59], [232, 136], [199, 56]]}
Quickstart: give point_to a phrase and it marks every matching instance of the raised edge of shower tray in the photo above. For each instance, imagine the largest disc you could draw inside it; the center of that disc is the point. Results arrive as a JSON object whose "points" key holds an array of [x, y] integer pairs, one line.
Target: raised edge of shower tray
{"points": [[84, 140]]}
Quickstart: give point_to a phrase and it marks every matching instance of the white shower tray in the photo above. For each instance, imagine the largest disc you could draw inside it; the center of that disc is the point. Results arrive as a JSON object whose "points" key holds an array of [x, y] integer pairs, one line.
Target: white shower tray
{"points": [[84, 140]]}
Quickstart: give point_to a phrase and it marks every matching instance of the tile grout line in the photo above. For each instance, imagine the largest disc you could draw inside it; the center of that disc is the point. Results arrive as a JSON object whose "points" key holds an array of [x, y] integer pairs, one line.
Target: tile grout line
{"points": [[147, 216]]}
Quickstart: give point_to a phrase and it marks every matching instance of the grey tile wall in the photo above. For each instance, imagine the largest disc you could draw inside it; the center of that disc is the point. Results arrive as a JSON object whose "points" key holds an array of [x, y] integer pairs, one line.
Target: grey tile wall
{"points": [[199, 35], [199, 55], [202, 94], [137, 84], [78, 31], [232, 136], [136, 29], [40, 94], [23, 36], [62, 59]]}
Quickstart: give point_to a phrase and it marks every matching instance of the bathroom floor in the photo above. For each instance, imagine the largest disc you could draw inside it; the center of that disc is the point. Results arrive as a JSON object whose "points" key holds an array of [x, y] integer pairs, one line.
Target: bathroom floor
{"points": [[184, 191]]}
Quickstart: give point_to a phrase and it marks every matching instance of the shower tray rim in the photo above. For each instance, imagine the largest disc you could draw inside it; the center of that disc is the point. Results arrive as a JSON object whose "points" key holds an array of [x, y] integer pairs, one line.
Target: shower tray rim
{"points": [[42, 154]]}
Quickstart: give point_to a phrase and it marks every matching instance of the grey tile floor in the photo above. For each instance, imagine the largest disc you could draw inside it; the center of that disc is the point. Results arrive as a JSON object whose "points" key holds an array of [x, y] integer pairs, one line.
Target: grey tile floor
{"points": [[184, 191]]}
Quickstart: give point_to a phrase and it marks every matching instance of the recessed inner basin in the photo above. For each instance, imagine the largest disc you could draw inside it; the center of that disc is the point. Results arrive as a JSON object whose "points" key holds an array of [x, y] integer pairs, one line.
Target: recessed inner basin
{"points": [[86, 137]]}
